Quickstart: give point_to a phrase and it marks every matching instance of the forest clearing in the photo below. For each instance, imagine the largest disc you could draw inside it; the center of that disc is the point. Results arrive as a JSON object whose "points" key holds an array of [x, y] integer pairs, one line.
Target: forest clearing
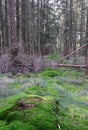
{"points": [[43, 65]]}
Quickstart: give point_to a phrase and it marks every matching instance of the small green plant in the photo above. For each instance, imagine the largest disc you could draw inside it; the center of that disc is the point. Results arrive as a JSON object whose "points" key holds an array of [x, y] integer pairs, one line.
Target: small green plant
{"points": [[14, 72], [50, 73], [26, 75], [54, 56]]}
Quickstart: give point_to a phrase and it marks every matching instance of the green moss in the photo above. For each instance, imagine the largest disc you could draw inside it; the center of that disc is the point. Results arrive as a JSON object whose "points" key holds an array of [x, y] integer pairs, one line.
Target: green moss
{"points": [[14, 72], [57, 97], [16, 125], [54, 56], [37, 114], [1, 76], [15, 85], [26, 75], [50, 73], [38, 90]]}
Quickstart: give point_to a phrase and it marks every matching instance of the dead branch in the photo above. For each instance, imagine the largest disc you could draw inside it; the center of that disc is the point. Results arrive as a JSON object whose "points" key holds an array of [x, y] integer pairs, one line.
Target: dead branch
{"points": [[75, 66], [22, 65], [73, 52], [59, 65]]}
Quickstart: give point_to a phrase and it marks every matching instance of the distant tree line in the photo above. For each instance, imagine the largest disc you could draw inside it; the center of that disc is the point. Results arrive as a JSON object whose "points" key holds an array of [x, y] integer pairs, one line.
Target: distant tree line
{"points": [[40, 27]]}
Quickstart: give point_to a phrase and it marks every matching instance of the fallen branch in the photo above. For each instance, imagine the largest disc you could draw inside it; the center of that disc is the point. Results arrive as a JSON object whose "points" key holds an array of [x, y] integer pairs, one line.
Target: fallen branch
{"points": [[21, 65], [75, 66], [59, 65], [73, 52]]}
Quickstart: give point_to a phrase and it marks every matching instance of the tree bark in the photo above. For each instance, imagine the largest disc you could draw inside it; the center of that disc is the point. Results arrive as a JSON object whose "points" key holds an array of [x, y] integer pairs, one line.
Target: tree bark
{"points": [[66, 31], [2, 28], [38, 29], [12, 28], [23, 24], [18, 19], [82, 27], [6, 24], [86, 52]]}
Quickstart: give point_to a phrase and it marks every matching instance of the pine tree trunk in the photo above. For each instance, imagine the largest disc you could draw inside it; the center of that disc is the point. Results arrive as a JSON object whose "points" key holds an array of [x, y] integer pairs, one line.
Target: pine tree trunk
{"points": [[71, 24], [38, 29], [6, 24], [12, 27], [66, 31], [18, 20], [82, 26], [86, 52], [2, 28], [23, 24]]}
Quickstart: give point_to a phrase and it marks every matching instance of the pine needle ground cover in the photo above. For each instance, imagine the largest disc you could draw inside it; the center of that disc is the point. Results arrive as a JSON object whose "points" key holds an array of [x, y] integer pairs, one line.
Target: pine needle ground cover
{"points": [[49, 100]]}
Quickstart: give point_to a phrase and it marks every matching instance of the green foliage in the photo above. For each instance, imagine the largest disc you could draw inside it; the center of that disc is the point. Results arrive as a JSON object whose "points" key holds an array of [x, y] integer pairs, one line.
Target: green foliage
{"points": [[15, 85], [16, 125], [50, 73], [1, 76], [14, 72], [54, 56], [26, 75], [60, 72], [38, 117], [55, 97]]}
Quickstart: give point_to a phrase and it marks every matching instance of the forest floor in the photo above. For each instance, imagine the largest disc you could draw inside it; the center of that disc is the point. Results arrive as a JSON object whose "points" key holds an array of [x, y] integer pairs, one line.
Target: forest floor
{"points": [[48, 100]]}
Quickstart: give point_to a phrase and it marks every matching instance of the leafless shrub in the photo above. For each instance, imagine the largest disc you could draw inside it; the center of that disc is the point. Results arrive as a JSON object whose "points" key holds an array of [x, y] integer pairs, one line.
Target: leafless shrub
{"points": [[4, 63], [22, 63]]}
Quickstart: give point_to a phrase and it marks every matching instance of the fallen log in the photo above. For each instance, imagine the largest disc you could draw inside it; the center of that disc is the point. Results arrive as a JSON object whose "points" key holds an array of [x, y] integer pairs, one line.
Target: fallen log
{"points": [[59, 65], [75, 66], [21, 65]]}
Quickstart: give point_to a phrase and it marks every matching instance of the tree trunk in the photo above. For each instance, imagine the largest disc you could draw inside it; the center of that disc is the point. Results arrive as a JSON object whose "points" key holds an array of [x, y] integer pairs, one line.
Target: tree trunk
{"points": [[86, 54], [2, 28], [12, 27], [23, 24], [38, 29], [82, 26], [66, 31], [6, 24], [71, 24], [18, 19]]}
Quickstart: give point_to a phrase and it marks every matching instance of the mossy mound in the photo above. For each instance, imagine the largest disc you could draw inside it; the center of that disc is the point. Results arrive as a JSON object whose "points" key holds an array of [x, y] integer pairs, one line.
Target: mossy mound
{"points": [[50, 73], [41, 98], [35, 113]]}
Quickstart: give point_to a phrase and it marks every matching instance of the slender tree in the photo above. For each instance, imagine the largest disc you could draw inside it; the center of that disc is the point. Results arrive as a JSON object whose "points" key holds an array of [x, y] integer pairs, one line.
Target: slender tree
{"points": [[86, 52], [12, 28], [71, 24], [66, 30], [23, 24], [2, 28], [82, 26], [18, 19], [6, 24]]}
